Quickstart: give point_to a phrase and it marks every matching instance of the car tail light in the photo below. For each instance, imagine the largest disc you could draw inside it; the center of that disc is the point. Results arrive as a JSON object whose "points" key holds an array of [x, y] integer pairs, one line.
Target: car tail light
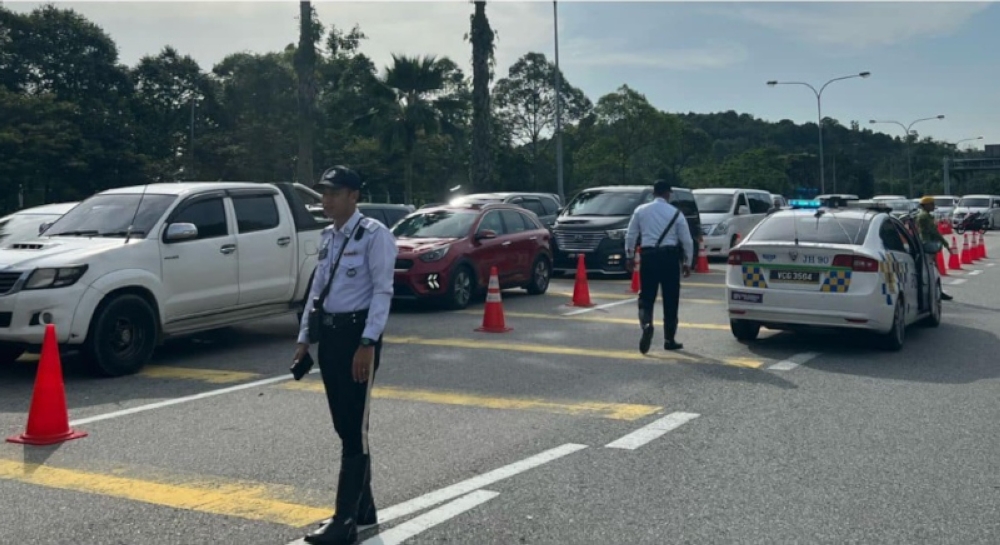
{"points": [[856, 263], [739, 257]]}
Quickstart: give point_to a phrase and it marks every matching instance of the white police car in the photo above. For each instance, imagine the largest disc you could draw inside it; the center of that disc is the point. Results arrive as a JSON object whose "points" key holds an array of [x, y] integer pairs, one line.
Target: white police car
{"points": [[854, 268]]}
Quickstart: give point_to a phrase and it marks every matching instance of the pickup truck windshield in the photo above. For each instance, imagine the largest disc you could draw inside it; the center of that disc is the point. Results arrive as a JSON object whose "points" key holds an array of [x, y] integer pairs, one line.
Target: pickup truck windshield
{"points": [[110, 215], [603, 203], [438, 224]]}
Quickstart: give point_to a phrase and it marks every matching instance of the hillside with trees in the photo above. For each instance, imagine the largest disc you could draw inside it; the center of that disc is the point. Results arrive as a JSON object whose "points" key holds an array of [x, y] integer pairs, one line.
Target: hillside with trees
{"points": [[75, 120]]}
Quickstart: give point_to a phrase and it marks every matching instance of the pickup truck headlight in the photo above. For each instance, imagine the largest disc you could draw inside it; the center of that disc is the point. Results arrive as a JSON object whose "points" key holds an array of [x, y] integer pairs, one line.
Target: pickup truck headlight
{"points": [[616, 234], [434, 255], [60, 277]]}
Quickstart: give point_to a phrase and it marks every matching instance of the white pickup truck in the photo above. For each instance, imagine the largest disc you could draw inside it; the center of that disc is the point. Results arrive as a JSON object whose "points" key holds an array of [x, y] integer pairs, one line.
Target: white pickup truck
{"points": [[199, 256]]}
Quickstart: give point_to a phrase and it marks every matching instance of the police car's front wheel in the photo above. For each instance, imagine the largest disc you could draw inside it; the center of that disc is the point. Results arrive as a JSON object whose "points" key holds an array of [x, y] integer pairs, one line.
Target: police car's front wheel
{"points": [[744, 330]]}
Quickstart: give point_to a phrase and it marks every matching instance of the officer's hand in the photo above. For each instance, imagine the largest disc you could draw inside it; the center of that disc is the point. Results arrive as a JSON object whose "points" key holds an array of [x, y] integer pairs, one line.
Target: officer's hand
{"points": [[300, 352], [687, 270], [363, 358]]}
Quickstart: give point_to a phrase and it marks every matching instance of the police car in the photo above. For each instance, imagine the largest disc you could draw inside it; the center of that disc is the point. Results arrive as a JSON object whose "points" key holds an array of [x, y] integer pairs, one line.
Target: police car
{"points": [[813, 265]]}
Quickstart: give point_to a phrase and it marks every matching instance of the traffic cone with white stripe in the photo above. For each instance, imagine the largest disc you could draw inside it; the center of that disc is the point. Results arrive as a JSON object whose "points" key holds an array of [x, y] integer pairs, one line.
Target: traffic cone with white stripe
{"points": [[966, 256], [979, 246], [954, 263], [702, 264], [635, 271], [581, 290], [493, 320]]}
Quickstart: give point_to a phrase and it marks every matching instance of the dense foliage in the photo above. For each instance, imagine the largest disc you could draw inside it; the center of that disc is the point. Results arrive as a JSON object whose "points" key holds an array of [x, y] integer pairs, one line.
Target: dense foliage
{"points": [[74, 120]]}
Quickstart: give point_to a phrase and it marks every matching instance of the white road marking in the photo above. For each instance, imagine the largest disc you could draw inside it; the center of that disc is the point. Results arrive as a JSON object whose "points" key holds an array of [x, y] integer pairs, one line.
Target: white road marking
{"points": [[599, 307], [990, 264], [957, 281], [475, 483], [975, 272], [651, 431], [428, 520], [179, 400], [793, 362]]}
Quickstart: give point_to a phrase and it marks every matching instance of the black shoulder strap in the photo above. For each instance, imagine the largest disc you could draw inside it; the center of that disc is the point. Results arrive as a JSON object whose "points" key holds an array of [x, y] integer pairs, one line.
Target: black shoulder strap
{"points": [[356, 234], [667, 230]]}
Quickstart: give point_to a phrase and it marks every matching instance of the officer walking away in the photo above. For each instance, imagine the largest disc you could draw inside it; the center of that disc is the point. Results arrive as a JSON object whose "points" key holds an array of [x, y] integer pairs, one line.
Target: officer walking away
{"points": [[667, 248], [351, 294], [929, 231]]}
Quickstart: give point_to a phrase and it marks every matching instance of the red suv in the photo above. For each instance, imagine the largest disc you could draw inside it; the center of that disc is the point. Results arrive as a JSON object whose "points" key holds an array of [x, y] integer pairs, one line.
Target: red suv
{"points": [[446, 252]]}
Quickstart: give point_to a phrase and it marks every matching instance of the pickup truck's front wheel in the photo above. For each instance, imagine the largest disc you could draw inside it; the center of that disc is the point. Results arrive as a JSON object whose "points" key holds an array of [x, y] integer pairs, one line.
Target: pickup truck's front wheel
{"points": [[122, 336]]}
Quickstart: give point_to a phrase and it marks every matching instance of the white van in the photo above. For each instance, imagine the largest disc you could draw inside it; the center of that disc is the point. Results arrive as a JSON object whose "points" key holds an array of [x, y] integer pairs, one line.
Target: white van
{"points": [[986, 204], [728, 214]]}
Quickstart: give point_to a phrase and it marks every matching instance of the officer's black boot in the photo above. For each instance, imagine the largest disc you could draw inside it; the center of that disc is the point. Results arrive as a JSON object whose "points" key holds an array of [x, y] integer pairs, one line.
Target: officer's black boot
{"points": [[343, 529], [367, 514], [669, 332]]}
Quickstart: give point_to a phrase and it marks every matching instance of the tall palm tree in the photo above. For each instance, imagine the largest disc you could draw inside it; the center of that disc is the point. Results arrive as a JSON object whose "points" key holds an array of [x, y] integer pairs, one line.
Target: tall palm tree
{"points": [[305, 71], [481, 36], [415, 103]]}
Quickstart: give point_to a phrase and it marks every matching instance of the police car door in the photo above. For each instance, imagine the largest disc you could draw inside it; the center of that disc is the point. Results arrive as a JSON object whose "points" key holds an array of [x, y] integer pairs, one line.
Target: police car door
{"points": [[900, 266]]}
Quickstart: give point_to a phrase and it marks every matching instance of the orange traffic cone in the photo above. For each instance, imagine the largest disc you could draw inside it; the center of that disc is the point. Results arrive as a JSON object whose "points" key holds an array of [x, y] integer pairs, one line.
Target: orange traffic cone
{"points": [[635, 271], [966, 256], [702, 264], [980, 254], [953, 261], [48, 418], [940, 264], [581, 291], [493, 320]]}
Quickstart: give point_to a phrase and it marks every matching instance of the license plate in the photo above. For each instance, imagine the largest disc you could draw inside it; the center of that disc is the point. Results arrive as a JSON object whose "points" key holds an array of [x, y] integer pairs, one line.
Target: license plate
{"points": [[744, 297], [804, 277]]}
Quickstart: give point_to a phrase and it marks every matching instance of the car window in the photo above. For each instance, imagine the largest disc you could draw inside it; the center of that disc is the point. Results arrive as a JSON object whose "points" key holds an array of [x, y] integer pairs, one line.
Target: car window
{"points": [[256, 213], [393, 215], [375, 214], [492, 222], [436, 224], [208, 215], [534, 205], [760, 203], [685, 202], [604, 203], [549, 205], [891, 238], [742, 201], [308, 198], [513, 222], [531, 223], [827, 229], [714, 203]]}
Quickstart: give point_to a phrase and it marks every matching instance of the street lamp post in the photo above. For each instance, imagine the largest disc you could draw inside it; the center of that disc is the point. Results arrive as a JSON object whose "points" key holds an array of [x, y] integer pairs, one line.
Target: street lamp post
{"points": [[819, 114], [558, 85], [908, 133], [967, 140]]}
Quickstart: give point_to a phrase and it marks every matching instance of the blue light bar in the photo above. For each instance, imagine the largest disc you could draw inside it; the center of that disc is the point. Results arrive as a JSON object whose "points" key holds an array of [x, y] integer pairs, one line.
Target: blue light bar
{"points": [[802, 203]]}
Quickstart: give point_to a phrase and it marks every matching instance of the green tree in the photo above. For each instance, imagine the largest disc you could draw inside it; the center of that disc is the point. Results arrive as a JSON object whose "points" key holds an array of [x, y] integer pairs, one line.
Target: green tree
{"points": [[482, 37]]}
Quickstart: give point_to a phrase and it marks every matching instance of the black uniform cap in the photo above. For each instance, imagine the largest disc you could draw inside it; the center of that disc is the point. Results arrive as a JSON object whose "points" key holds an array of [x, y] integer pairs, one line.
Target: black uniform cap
{"points": [[338, 177]]}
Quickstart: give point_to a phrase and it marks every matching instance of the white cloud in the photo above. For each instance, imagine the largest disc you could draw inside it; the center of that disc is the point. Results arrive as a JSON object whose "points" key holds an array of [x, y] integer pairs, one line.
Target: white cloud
{"points": [[715, 55], [858, 26]]}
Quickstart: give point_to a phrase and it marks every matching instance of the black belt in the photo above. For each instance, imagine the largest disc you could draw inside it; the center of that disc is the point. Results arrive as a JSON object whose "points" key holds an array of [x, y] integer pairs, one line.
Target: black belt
{"points": [[343, 319], [648, 249]]}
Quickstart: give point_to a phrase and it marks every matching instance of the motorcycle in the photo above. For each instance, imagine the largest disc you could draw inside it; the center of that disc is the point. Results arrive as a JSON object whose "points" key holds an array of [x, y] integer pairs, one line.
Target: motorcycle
{"points": [[975, 221]]}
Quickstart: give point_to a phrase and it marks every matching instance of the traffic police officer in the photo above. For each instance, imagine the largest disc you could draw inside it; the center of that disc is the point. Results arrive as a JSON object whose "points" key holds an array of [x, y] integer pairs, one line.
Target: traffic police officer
{"points": [[357, 256], [663, 233], [929, 232]]}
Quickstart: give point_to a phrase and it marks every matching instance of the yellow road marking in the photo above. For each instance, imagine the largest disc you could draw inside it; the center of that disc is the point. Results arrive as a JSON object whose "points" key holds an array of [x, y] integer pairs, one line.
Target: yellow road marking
{"points": [[213, 376], [536, 348], [568, 351], [614, 411], [245, 500], [599, 319]]}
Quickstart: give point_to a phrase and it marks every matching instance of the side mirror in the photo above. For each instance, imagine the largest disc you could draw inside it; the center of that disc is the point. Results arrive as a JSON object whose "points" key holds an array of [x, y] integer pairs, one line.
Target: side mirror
{"points": [[44, 226], [486, 234], [743, 210], [177, 232]]}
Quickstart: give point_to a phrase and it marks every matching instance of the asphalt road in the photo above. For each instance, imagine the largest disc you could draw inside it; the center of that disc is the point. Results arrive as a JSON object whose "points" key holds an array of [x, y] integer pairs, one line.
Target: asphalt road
{"points": [[558, 431]]}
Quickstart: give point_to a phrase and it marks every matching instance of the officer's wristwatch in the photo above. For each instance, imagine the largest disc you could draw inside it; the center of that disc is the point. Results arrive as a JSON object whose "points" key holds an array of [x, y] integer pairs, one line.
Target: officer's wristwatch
{"points": [[365, 341]]}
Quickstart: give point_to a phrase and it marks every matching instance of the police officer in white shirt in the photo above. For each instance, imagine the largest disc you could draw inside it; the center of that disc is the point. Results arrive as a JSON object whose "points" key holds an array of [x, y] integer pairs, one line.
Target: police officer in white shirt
{"points": [[662, 232], [357, 256]]}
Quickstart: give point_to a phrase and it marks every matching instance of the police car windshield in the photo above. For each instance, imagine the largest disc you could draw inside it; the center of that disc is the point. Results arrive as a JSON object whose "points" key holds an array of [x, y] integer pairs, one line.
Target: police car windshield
{"points": [[714, 203], [436, 224], [827, 229], [604, 203]]}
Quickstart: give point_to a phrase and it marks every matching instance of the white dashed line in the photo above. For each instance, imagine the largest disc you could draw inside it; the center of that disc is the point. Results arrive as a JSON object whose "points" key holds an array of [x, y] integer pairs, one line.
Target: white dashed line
{"points": [[651, 431], [428, 520], [956, 281], [793, 362], [599, 307], [975, 272]]}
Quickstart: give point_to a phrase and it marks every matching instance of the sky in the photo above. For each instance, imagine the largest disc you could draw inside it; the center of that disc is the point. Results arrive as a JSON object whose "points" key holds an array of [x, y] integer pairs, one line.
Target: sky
{"points": [[925, 58]]}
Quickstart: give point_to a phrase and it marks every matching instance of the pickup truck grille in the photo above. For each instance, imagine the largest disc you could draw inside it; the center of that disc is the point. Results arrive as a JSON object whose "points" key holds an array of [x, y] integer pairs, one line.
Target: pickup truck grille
{"points": [[7, 281], [571, 241]]}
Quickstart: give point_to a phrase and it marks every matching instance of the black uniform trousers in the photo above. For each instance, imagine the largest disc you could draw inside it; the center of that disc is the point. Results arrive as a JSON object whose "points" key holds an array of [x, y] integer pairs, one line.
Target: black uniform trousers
{"points": [[661, 268], [349, 406]]}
